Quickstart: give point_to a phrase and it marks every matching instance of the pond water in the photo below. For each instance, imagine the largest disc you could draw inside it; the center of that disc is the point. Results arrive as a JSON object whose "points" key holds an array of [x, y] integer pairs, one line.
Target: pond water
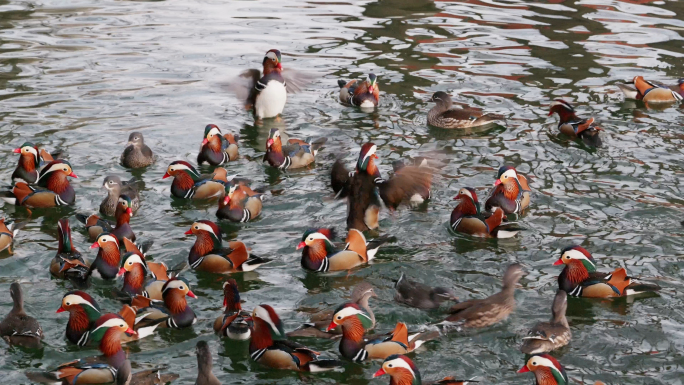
{"points": [[81, 75]]}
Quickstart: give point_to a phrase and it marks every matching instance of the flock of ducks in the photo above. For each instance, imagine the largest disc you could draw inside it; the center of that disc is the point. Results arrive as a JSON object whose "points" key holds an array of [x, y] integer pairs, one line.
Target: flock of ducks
{"points": [[153, 295]]}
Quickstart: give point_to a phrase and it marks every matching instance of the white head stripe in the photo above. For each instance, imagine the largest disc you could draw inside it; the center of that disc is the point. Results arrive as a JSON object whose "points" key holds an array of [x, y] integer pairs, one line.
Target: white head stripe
{"points": [[134, 258], [510, 174], [111, 323], [316, 236], [110, 238], [263, 314], [465, 191], [77, 299], [370, 152], [347, 312], [174, 285], [541, 361], [399, 363], [32, 150], [271, 55], [215, 131], [576, 254], [205, 227]]}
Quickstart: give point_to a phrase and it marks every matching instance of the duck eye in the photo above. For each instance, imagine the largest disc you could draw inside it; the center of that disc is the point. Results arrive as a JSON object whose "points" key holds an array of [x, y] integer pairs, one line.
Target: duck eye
{"points": [[180, 287], [68, 304], [104, 240], [111, 182], [339, 317], [534, 363], [196, 227], [389, 366], [130, 263]]}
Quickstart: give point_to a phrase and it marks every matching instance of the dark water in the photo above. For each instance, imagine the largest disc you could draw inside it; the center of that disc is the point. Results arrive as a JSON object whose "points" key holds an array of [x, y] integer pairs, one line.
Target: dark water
{"points": [[81, 75]]}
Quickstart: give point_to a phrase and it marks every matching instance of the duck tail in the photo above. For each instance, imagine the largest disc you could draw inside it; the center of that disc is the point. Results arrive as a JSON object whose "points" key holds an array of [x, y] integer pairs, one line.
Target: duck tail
{"points": [[317, 366], [638, 288], [629, 91], [341, 83], [43, 377], [418, 339]]}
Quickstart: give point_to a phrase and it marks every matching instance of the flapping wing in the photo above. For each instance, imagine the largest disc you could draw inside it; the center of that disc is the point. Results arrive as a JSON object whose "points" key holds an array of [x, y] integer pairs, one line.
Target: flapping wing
{"points": [[296, 81], [243, 86], [404, 184]]}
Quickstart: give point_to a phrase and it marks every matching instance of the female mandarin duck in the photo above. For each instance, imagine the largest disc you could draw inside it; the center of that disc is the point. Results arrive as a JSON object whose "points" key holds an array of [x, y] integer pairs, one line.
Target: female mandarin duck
{"points": [[188, 183], [547, 370], [136, 154], [124, 211], [466, 217], [240, 204], [51, 188], [652, 92], [319, 254], [173, 313], [579, 278], [364, 94], [419, 295], [208, 253], [355, 321], [204, 366], [403, 371], [217, 148], [365, 188], [479, 313], [19, 328], [83, 313], [270, 347], [68, 263], [106, 263], [443, 116], [115, 188], [573, 126], [547, 336], [511, 192], [8, 230], [135, 270], [234, 323], [317, 327], [104, 369], [31, 158], [296, 154]]}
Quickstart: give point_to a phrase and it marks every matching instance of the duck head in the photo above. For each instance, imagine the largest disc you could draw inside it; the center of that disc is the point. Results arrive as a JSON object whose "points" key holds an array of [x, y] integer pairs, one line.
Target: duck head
{"points": [[136, 139], [371, 82], [124, 205], [181, 166], [442, 98], [230, 192], [107, 332], [177, 286], [362, 291], [577, 256], [80, 301], [468, 197], [211, 131], [206, 231], [272, 61], [28, 150], [564, 110], [512, 275], [274, 142], [366, 156], [401, 369], [506, 176], [56, 168], [542, 365], [267, 320], [316, 241], [231, 295], [350, 312], [107, 242], [132, 261]]}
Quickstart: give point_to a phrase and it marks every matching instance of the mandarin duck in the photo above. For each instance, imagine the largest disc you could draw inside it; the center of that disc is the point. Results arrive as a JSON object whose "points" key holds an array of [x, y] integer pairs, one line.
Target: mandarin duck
{"points": [[136, 154], [365, 188], [364, 94], [83, 314], [574, 127], [466, 217], [296, 154], [319, 322], [29, 160], [204, 365], [173, 312], [234, 323], [68, 263], [511, 192], [188, 183], [547, 370], [479, 313], [51, 188], [443, 116], [122, 229], [116, 187], [150, 376], [403, 371], [9, 230], [240, 204], [319, 254], [652, 92], [217, 148], [419, 295], [579, 278], [19, 328], [208, 253], [270, 347], [108, 259], [547, 336], [103, 369], [135, 270], [355, 321]]}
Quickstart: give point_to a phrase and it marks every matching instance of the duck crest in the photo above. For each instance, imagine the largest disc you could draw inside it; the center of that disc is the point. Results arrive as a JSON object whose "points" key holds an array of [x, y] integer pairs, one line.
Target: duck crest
{"points": [[214, 142], [53, 180]]}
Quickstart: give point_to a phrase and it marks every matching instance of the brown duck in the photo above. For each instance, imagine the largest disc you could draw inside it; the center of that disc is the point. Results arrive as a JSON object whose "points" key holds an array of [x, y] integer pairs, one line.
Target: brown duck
{"points": [[18, 328], [466, 217], [443, 116], [419, 295], [547, 336], [136, 154], [204, 365]]}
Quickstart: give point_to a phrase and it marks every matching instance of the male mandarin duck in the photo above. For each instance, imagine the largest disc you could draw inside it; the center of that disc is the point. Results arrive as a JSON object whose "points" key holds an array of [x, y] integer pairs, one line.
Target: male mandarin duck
{"points": [[135, 270], [9, 230], [479, 313], [234, 323], [83, 313], [51, 188], [364, 94], [466, 217], [217, 148], [106, 263], [511, 192], [365, 188], [355, 321], [68, 263], [122, 229], [443, 116], [547, 370], [319, 322], [403, 371], [319, 254], [652, 92], [204, 366], [208, 253], [579, 278], [19, 328], [573, 126], [116, 187], [188, 183], [173, 313], [296, 154], [547, 336], [240, 204], [31, 158], [104, 369], [270, 347], [136, 154], [419, 295]]}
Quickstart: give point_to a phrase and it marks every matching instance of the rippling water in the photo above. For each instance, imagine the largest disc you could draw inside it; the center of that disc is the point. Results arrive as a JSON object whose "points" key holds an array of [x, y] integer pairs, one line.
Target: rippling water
{"points": [[80, 75]]}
